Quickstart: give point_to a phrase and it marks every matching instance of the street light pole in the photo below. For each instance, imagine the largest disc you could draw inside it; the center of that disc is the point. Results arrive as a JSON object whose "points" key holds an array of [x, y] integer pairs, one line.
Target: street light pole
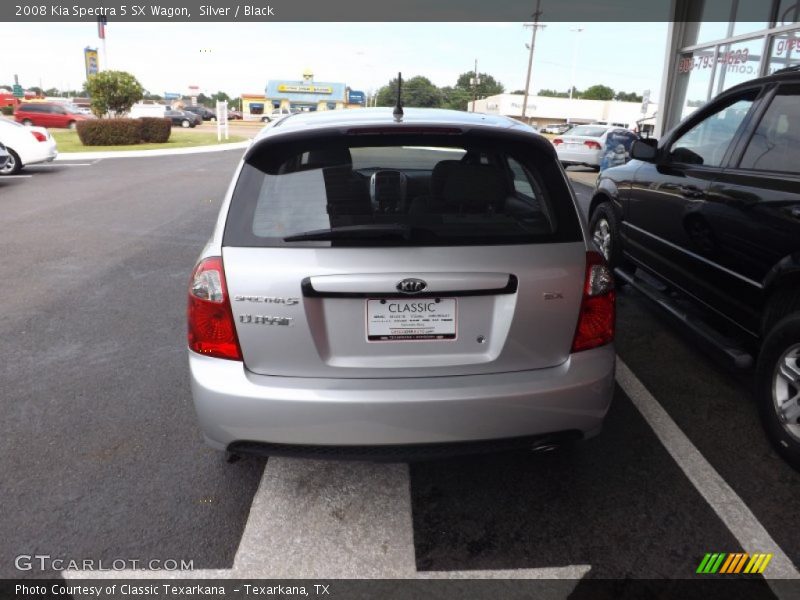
{"points": [[475, 82], [534, 26]]}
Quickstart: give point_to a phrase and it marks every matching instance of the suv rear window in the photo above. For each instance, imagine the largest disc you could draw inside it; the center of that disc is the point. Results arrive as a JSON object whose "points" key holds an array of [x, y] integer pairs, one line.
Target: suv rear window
{"points": [[417, 190]]}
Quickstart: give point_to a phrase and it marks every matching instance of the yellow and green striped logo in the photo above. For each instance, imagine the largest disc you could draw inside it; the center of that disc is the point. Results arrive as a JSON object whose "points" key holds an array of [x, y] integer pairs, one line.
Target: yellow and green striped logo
{"points": [[738, 562]]}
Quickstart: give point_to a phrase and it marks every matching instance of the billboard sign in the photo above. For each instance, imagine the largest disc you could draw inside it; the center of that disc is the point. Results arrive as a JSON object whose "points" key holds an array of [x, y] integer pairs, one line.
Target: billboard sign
{"points": [[356, 97], [91, 61]]}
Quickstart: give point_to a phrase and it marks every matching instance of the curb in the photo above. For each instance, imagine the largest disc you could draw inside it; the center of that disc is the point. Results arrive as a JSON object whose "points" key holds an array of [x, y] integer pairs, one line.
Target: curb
{"points": [[151, 153]]}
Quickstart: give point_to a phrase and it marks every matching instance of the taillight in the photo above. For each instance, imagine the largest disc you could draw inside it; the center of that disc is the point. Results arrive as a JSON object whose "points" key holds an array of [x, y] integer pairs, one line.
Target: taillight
{"points": [[596, 320], [212, 331], [39, 136], [592, 145], [557, 141]]}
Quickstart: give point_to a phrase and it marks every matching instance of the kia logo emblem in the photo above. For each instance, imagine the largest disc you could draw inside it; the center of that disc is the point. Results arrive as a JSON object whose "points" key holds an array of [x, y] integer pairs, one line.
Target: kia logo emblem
{"points": [[411, 286]]}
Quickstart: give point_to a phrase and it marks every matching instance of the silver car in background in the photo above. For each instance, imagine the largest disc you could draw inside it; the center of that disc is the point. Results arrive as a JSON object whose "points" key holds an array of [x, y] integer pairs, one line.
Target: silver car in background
{"points": [[583, 145], [382, 286]]}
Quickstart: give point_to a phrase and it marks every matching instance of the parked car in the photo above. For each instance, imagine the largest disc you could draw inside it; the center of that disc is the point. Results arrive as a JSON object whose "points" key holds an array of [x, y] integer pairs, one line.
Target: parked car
{"points": [[235, 115], [399, 287], [183, 118], [585, 145], [48, 114], [713, 213], [279, 113], [25, 146], [557, 128], [205, 114]]}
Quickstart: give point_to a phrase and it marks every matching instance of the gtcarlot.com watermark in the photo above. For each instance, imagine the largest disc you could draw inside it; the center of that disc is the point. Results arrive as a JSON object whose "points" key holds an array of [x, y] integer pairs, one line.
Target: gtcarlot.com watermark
{"points": [[46, 562]]}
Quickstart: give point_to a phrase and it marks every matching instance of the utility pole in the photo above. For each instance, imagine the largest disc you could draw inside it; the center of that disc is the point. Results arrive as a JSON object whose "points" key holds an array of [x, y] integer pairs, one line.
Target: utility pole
{"points": [[535, 25], [475, 83]]}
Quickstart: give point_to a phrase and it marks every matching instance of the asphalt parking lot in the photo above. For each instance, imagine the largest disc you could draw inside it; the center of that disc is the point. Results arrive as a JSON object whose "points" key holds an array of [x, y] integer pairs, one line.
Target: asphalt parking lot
{"points": [[103, 459]]}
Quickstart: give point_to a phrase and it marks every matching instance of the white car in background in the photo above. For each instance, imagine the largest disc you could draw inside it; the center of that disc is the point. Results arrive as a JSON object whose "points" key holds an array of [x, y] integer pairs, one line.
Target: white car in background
{"points": [[583, 145], [25, 146]]}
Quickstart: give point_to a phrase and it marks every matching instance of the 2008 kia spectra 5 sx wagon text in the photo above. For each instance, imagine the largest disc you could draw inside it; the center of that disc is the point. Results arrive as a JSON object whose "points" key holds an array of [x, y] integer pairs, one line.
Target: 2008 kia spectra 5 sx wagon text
{"points": [[385, 285]]}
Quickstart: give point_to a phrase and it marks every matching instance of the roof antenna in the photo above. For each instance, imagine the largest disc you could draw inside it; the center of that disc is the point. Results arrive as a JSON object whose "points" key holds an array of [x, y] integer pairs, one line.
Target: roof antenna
{"points": [[398, 108]]}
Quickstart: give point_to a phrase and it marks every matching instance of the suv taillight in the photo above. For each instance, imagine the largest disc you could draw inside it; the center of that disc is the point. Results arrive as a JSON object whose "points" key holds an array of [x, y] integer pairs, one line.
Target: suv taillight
{"points": [[212, 331], [39, 136], [596, 319]]}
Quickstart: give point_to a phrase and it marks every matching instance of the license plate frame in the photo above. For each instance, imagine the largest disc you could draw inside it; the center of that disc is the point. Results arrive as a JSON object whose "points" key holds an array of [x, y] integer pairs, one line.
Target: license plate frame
{"points": [[411, 319]]}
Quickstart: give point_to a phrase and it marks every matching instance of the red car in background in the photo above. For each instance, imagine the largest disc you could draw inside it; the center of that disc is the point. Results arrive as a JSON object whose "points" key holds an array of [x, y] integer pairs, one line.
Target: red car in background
{"points": [[47, 114]]}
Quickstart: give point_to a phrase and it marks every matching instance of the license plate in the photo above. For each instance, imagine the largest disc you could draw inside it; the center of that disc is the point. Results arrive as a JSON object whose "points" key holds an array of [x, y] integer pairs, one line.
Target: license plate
{"points": [[407, 319]]}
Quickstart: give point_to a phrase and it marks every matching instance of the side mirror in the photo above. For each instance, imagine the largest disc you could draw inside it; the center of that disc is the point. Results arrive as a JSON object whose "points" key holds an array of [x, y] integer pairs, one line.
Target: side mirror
{"points": [[642, 150]]}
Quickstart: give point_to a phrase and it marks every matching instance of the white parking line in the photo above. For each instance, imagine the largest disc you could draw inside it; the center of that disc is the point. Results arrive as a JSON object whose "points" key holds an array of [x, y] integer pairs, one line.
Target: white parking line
{"points": [[65, 164], [730, 508], [2, 177], [334, 519]]}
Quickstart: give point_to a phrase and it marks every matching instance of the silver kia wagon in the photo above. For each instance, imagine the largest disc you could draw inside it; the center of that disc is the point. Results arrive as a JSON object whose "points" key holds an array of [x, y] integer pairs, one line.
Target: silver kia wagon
{"points": [[382, 285]]}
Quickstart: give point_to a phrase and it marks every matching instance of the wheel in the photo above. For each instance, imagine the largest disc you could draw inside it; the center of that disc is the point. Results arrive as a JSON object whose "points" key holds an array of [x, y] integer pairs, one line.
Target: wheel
{"points": [[604, 229], [14, 164], [27, 122], [778, 387], [265, 119], [185, 123], [213, 119], [72, 125]]}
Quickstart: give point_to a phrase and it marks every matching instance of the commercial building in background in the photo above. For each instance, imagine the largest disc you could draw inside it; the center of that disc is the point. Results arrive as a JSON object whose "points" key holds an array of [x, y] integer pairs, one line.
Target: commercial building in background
{"points": [[300, 95], [713, 45], [544, 110]]}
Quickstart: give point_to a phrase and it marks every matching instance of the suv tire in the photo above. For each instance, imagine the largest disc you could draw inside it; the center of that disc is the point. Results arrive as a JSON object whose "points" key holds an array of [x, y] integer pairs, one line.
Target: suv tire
{"points": [[185, 123], [778, 387], [604, 230]]}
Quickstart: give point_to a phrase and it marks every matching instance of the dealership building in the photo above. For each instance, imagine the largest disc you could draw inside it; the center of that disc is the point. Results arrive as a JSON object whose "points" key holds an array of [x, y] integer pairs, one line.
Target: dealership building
{"points": [[303, 95], [713, 45]]}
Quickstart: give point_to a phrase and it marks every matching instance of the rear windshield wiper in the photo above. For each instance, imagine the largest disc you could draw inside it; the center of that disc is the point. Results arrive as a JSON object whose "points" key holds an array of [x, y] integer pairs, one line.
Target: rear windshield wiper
{"points": [[366, 231]]}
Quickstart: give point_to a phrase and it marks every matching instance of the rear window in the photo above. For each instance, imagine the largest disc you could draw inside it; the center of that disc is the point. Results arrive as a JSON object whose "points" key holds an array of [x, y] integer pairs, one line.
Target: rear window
{"points": [[419, 190], [588, 130]]}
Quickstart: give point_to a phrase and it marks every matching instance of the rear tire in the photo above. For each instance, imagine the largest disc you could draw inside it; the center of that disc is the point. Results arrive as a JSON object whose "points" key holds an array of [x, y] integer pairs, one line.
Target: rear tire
{"points": [[604, 229], [27, 122], [185, 123], [14, 164], [72, 125], [778, 388]]}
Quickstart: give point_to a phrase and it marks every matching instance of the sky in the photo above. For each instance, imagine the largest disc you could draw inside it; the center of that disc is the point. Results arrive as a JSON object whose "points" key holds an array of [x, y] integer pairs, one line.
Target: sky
{"points": [[240, 57]]}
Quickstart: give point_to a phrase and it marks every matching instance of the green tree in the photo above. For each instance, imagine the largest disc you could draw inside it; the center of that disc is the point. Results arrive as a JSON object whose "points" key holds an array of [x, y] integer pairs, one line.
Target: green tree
{"points": [[455, 98], [417, 91], [37, 90], [113, 92], [598, 92], [552, 94], [628, 97], [488, 86]]}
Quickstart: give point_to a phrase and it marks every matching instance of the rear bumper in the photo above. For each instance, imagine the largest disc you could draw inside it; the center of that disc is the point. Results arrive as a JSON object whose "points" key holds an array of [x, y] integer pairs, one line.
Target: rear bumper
{"points": [[580, 157], [234, 405]]}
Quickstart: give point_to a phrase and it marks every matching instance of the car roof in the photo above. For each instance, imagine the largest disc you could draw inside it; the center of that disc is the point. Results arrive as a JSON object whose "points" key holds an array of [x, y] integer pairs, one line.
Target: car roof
{"points": [[358, 117]]}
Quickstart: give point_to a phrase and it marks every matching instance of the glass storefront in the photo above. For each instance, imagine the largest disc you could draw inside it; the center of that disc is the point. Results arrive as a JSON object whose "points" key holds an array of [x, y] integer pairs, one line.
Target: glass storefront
{"points": [[721, 43]]}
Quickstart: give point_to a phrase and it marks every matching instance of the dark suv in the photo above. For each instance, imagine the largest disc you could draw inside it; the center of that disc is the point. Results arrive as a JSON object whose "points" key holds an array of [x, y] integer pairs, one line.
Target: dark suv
{"points": [[711, 216]]}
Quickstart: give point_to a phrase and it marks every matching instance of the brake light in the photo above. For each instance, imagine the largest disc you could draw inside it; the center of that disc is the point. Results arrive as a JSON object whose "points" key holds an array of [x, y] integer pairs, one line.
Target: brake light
{"points": [[39, 136], [212, 331], [592, 145], [557, 141], [597, 316]]}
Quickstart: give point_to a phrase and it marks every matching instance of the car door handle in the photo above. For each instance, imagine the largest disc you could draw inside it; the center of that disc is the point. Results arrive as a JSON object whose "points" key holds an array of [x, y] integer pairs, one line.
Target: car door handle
{"points": [[691, 191]]}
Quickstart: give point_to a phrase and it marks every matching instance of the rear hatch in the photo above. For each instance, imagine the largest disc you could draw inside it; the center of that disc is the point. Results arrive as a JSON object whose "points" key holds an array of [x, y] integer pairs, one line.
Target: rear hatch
{"points": [[403, 254]]}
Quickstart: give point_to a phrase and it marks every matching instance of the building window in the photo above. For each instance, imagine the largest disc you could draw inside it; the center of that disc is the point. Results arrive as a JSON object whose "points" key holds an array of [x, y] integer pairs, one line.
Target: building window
{"points": [[784, 50], [737, 63], [693, 82], [256, 108]]}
